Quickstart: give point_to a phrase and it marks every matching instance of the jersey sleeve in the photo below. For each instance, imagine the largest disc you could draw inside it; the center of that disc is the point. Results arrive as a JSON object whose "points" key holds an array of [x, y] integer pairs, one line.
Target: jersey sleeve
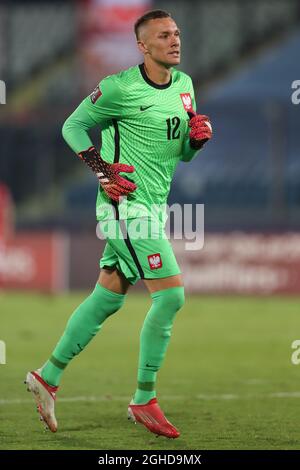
{"points": [[105, 102], [187, 152], [102, 105]]}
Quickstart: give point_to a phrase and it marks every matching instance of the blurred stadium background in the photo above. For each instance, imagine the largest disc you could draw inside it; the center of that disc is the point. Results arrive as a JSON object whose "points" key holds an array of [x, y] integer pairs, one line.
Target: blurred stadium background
{"points": [[243, 57]]}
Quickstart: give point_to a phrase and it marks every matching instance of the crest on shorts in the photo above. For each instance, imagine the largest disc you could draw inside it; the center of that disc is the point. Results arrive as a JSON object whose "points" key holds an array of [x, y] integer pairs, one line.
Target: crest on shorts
{"points": [[155, 261]]}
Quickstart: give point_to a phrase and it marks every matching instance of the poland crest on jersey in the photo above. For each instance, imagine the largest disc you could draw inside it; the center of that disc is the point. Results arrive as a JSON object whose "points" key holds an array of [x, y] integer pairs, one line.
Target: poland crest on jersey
{"points": [[186, 101], [155, 261]]}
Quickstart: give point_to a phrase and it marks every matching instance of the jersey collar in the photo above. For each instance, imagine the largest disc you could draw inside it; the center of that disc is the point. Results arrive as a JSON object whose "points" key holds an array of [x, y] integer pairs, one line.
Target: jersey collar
{"points": [[150, 82]]}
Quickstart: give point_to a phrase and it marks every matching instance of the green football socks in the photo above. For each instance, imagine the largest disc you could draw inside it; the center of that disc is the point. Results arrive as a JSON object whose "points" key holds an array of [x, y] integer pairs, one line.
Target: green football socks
{"points": [[154, 339], [82, 326]]}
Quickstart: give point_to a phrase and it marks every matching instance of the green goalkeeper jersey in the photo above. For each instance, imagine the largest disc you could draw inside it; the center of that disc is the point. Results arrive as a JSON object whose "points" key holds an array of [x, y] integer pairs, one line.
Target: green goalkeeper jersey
{"points": [[143, 124]]}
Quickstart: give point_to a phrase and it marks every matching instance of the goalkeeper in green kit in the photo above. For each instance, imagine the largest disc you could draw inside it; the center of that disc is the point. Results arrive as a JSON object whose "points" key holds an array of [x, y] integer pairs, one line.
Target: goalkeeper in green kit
{"points": [[148, 124]]}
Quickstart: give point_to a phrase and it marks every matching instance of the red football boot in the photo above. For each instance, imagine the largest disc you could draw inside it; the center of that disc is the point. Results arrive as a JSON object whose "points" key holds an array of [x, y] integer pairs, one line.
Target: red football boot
{"points": [[151, 416]]}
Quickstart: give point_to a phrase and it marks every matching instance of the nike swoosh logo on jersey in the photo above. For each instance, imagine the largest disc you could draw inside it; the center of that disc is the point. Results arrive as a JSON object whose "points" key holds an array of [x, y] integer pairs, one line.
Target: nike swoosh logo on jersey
{"points": [[143, 108]]}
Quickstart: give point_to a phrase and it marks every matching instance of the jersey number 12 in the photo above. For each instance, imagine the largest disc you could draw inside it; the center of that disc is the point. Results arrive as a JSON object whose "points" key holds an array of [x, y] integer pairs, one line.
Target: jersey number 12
{"points": [[172, 129]]}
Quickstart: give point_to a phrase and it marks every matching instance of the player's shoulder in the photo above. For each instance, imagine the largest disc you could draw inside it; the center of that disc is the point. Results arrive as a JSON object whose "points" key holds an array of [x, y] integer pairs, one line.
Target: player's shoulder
{"points": [[124, 77], [181, 77]]}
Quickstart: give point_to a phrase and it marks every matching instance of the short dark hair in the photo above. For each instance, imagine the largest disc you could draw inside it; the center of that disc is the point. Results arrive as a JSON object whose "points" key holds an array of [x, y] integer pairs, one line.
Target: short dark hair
{"points": [[149, 15]]}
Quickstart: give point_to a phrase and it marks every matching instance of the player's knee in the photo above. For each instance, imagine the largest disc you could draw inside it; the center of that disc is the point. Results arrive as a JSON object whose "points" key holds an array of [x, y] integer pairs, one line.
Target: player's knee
{"points": [[178, 298], [172, 299]]}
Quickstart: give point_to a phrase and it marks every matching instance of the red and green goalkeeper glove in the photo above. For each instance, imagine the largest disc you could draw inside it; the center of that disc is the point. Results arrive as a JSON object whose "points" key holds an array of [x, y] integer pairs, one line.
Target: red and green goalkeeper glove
{"points": [[201, 130], [113, 184]]}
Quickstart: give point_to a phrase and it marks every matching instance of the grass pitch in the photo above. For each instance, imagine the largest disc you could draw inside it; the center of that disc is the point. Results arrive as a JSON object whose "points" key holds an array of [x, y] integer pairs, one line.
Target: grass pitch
{"points": [[227, 382]]}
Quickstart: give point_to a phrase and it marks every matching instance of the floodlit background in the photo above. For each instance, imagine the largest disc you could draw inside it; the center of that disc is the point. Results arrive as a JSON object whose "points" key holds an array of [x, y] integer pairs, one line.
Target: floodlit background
{"points": [[235, 384]]}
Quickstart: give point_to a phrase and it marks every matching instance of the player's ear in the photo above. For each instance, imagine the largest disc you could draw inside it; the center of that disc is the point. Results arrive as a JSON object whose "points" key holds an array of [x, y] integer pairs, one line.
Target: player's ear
{"points": [[142, 47]]}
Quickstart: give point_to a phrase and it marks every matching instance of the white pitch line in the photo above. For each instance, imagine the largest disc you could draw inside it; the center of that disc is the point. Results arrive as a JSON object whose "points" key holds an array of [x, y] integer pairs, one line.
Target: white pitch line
{"points": [[20, 401], [285, 395], [223, 396]]}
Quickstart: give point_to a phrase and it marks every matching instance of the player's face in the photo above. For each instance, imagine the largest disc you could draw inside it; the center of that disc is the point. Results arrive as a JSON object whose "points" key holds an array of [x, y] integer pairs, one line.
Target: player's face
{"points": [[160, 38]]}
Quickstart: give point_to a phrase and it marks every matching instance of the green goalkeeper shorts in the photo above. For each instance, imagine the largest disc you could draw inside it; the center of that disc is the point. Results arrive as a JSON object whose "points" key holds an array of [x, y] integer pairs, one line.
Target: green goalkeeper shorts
{"points": [[138, 248]]}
